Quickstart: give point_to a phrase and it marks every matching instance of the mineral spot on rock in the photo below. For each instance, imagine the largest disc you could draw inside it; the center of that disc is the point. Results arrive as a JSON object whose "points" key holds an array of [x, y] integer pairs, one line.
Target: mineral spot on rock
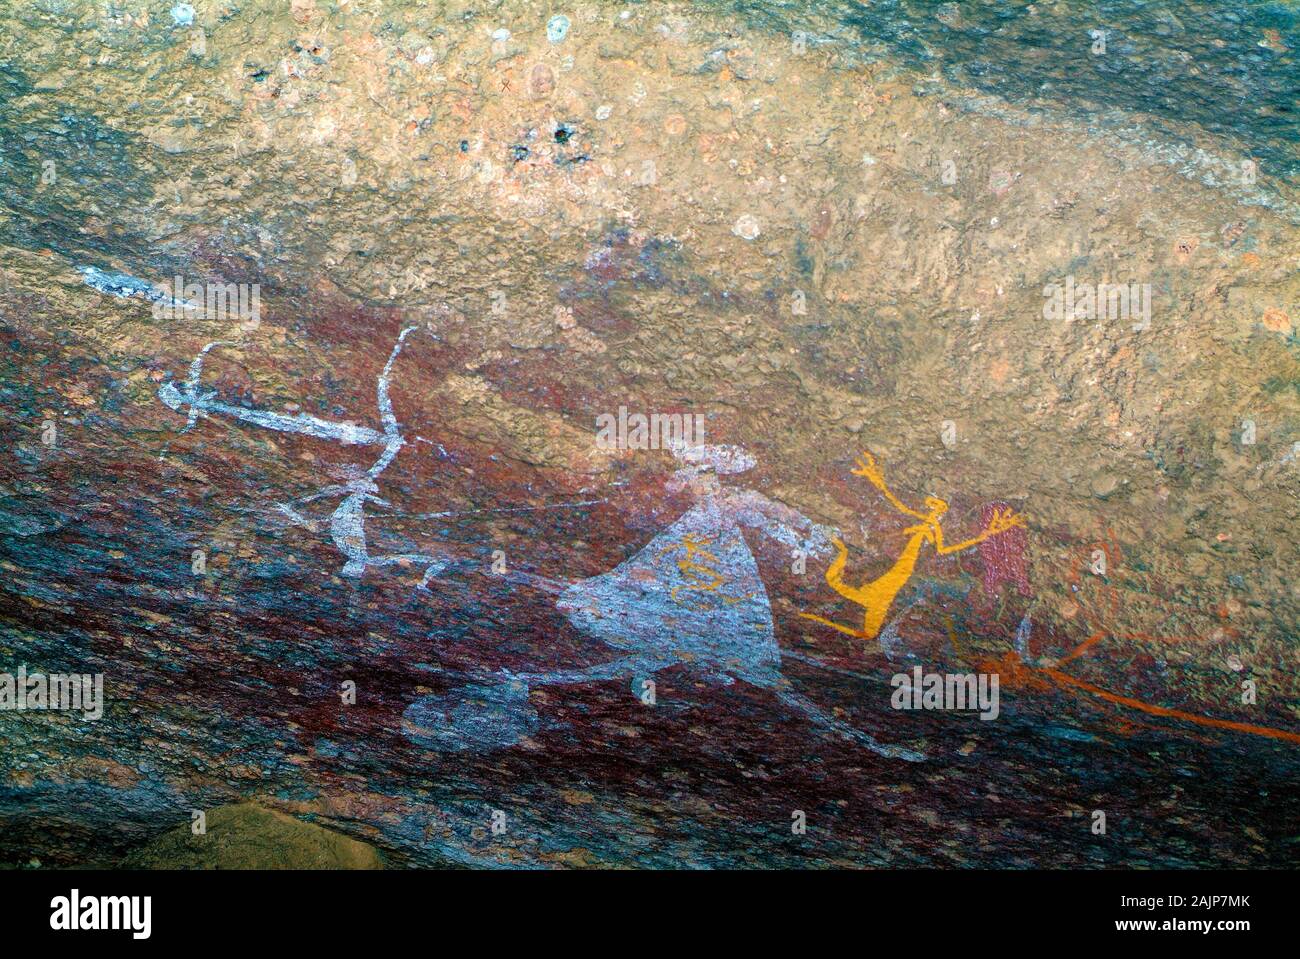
{"points": [[746, 227]]}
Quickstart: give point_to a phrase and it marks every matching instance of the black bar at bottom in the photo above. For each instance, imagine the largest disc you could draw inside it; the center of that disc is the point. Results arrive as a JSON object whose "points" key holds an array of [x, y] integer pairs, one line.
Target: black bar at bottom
{"points": [[331, 909]]}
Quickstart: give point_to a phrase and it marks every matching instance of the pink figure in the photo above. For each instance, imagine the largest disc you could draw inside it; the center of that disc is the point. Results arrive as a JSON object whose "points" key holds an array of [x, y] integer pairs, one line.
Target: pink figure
{"points": [[1003, 558]]}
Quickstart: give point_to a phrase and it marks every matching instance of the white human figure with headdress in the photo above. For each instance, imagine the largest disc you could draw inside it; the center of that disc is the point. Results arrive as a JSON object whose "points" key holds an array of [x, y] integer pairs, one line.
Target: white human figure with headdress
{"points": [[691, 595], [347, 522]]}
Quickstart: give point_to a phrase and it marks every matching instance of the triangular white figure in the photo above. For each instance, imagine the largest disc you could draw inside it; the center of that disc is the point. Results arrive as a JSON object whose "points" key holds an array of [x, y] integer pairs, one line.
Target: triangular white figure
{"points": [[693, 595]]}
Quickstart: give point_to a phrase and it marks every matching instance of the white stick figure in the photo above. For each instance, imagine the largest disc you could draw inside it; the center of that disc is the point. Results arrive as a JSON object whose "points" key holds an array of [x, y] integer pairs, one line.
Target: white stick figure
{"points": [[348, 521]]}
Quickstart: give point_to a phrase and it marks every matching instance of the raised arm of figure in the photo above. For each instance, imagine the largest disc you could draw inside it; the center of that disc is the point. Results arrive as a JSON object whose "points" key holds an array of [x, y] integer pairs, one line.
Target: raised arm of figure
{"points": [[868, 468]]}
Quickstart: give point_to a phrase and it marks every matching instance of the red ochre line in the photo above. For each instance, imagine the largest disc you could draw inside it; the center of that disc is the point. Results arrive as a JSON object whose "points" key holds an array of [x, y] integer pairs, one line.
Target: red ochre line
{"points": [[1267, 731]]}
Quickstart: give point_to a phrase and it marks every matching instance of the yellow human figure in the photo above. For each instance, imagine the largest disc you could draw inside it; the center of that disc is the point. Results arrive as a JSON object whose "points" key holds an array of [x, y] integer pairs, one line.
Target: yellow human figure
{"points": [[877, 596]]}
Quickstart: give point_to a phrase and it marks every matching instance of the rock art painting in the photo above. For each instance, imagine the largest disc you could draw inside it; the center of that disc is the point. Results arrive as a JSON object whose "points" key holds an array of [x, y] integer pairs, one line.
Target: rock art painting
{"points": [[347, 524], [765, 436], [876, 597], [691, 596]]}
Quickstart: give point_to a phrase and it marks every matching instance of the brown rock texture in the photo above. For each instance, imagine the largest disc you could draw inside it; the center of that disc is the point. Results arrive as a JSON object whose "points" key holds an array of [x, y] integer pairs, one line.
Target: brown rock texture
{"points": [[819, 235]]}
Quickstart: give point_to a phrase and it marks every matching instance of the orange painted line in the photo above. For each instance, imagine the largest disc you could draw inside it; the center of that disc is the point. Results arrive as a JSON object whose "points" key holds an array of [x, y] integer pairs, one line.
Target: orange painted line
{"points": [[1267, 731], [1084, 646]]}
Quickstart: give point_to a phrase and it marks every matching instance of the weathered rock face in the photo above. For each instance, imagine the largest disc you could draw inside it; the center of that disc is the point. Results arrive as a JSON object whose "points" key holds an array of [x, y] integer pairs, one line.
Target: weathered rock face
{"points": [[249, 837], [357, 545]]}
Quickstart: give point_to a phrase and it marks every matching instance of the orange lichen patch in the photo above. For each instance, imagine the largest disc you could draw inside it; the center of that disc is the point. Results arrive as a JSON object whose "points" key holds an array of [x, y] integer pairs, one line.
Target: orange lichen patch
{"points": [[1250, 260], [1277, 321]]}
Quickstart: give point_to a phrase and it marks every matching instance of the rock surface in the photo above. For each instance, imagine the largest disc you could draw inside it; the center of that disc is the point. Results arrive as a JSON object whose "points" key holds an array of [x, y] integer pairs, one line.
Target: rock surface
{"points": [[367, 561], [247, 836]]}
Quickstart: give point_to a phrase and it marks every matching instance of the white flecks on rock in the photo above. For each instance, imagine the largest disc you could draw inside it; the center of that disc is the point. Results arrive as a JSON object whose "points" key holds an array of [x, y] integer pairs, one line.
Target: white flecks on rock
{"points": [[746, 227]]}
